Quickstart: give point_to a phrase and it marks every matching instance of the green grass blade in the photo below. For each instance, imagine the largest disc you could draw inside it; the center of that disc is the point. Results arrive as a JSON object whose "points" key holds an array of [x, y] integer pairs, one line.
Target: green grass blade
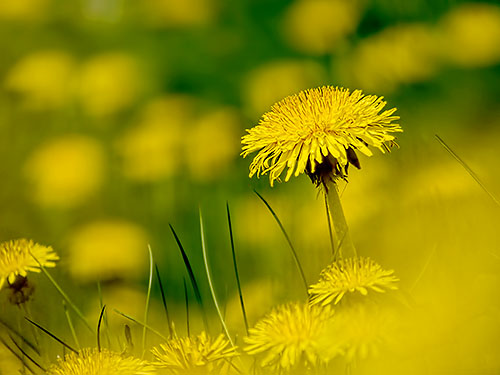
{"points": [[63, 294], [141, 324], [148, 297], [99, 328], [186, 302], [24, 339], [105, 317], [294, 253], [189, 269], [235, 265], [70, 323], [468, 169], [26, 354], [164, 301], [51, 335], [210, 283], [25, 365]]}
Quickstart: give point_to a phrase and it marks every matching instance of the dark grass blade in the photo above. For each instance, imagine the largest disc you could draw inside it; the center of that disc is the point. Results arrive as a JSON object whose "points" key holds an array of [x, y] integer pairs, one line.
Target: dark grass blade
{"points": [[26, 354], [164, 301], [99, 328], [105, 317], [235, 265], [294, 253], [468, 169], [186, 299], [25, 365], [141, 324], [24, 339], [51, 335], [189, 269]]}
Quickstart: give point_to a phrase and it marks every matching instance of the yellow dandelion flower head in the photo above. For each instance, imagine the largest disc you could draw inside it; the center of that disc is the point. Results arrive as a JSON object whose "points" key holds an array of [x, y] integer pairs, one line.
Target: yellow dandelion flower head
{"points": [[348, 276], [191, 355], [91, 361], [289, 336], [17, 257], [317, 131]]}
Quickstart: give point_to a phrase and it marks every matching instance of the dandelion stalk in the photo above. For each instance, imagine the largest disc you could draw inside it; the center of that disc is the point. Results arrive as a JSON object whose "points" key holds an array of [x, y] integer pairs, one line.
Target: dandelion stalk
{"points": [[71, 326], [345, 246], [210, 284]]}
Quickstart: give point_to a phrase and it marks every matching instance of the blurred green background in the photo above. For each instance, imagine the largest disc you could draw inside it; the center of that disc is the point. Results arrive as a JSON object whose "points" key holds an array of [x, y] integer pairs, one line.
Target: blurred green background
{"points": [[118, 117]]}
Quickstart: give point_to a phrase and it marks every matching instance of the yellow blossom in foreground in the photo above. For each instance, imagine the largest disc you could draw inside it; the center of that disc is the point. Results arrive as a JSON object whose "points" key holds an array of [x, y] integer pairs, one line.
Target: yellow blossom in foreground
{"points": [[17, 257], [65, 171], [317, 131], [194, 355], [91, 361], [348, 276], [289, 336]]}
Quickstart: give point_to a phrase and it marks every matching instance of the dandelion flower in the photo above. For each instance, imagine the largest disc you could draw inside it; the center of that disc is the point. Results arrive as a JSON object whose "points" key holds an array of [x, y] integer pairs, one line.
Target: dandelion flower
{"points": [[17, 257], [194, 355], [289, 336], [317, 131], [100, 362], [350, 275]]}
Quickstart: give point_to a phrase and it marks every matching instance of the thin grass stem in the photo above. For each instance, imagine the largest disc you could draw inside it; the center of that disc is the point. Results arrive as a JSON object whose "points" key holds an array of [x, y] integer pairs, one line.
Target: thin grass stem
{"points": [[294, 253], [51, 335], [141, 324], [99, 328], [70, 323], [210, 283], [186, 303], [21, 359], [26, 354], [148, 297], [164, 301], [235, 265]]}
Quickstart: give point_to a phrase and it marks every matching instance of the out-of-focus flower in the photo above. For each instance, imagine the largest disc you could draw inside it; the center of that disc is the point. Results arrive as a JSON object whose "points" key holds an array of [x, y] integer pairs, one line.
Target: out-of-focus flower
{"points": [[43, 79], [17, 257], [201, 355], [180, 13], [23, 10], [151, 150], [317, 131], [104, 250], [348, 276], [108, 83], [277, 79], [471, 34], [318, 26], [92, 361], [65, 171], [211, 144], [397, 55], [289, 336], [358, 332]]}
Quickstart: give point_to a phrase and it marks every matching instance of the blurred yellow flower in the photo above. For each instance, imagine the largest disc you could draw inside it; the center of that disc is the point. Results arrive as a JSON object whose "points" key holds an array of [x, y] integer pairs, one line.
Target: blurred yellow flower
{"points": [[358, 332], [289, 336], [23, 10], [151, 150], [181, 13], [17, 257], [471, 34], [42, 79], [91, 361], [318, 26], [211, 144], [276, 79], [401, 54], [200, 355], [317, 131], [65, 171], [104, 250], [108, 83], [348, 276]]}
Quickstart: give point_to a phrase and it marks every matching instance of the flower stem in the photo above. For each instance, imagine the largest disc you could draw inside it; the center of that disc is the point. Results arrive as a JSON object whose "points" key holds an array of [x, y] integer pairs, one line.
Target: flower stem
{"points": [[344, 244]]}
